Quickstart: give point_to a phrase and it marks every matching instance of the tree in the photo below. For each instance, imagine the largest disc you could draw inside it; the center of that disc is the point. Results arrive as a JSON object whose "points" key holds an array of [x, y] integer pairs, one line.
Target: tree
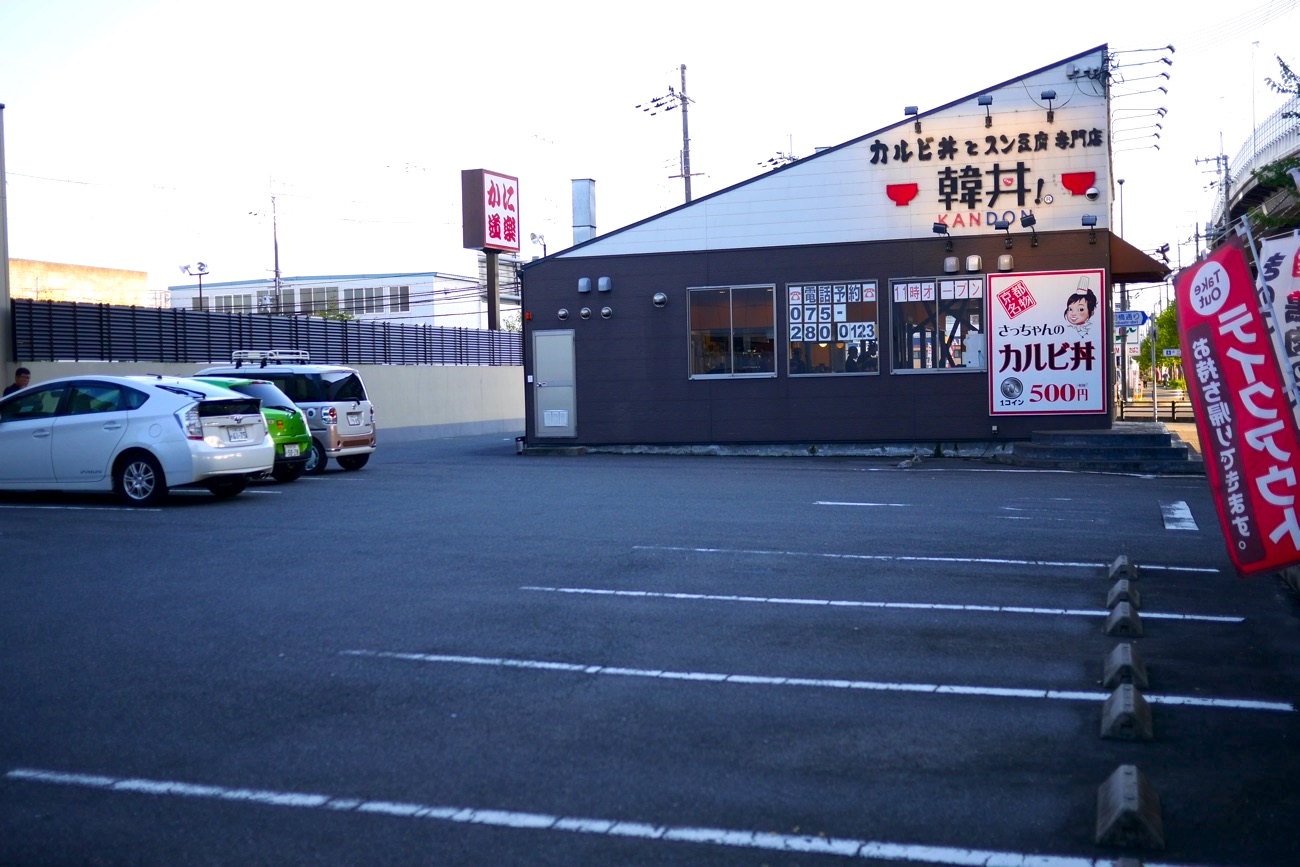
{"points": [[1165, 330], [333, 312], [1278, 175]]}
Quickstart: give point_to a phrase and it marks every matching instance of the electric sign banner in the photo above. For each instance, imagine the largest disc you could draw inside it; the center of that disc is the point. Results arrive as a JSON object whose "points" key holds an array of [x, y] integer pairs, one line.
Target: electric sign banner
{"points": [[1279, 273], [1048, 345], [1242, 415]]}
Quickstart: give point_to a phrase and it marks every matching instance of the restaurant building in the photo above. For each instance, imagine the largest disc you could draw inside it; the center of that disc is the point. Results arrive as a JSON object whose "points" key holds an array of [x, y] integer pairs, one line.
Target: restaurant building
{"points": [[945, 279]]}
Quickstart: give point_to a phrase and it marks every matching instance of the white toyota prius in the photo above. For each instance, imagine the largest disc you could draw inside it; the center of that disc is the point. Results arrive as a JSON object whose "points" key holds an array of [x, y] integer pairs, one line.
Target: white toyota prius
{"points": [[137, 436]]}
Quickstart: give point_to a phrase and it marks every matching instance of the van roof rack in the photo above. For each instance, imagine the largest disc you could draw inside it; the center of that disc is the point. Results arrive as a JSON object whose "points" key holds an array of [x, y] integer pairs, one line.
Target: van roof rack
{"points": [[266, 356]]}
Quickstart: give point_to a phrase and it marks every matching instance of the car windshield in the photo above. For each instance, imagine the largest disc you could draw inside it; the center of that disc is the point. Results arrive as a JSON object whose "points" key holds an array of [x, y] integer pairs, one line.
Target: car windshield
{"points": [[343, 385], [270, 395]]}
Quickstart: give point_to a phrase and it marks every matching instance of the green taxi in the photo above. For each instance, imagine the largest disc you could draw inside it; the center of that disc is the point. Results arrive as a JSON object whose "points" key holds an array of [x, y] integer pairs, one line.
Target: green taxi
{"points": [[286, 424]]}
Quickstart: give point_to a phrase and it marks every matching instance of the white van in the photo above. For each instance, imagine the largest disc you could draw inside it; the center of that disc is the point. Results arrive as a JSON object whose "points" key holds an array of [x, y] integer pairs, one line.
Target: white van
{"points": [[340, 415]]}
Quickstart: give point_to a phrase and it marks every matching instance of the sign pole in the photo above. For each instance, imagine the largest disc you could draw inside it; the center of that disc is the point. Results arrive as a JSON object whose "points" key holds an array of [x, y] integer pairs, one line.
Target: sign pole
{"points": [[1155, 380], [493, 289]]}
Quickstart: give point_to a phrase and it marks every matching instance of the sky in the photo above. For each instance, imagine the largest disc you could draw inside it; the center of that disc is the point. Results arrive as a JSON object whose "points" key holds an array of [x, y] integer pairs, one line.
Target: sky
{"points": [[149, 135]]}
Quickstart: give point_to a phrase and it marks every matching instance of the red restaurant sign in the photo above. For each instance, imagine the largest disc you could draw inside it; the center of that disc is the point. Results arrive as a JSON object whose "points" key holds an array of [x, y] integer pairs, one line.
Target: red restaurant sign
{"points": [[489, 210], [1245, 425]]}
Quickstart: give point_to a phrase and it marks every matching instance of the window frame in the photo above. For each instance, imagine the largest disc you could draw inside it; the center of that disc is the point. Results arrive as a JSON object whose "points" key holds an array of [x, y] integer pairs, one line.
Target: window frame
{"points": [[837, 344], [941, 310], [765, 370]]}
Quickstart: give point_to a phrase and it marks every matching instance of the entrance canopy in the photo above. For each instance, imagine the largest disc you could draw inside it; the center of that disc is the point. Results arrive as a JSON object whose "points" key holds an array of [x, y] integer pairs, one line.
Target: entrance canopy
{"points": [[1128, 264]]}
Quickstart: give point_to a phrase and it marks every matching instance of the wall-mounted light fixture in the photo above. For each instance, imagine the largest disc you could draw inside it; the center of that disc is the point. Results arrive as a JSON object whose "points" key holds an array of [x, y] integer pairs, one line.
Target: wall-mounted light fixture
{"points": [[1090, 223], [584, 285], [585, 313], [1004, 226], [659, 299], [1049, 95], [951, 265], [604, 284], [911, 111], [606, 312], [987, 100], [1005, 262], [562, 314], [1028, 221], [974, 263], [942, 229]]}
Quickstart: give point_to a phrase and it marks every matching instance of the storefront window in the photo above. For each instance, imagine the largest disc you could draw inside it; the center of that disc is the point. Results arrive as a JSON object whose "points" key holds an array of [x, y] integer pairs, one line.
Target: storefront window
{"points": [[832, 328], [938, 324], [733, 331]]}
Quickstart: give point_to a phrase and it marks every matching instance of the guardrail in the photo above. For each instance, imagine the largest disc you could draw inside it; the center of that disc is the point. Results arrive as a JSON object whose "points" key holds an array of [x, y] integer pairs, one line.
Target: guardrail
{"points": [[1145, 410]]}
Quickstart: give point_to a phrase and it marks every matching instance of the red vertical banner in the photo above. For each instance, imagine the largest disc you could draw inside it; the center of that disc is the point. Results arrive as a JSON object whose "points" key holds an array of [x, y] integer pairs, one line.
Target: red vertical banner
{"points": [[1252, 451]]}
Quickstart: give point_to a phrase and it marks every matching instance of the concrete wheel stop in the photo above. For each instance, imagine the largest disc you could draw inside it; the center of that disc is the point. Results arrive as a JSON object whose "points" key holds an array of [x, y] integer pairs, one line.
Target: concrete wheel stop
{"points": [[1126, 715], [1123, 567], [1124, 621], [1124, 591], [1128, 811], [1124, 665]]}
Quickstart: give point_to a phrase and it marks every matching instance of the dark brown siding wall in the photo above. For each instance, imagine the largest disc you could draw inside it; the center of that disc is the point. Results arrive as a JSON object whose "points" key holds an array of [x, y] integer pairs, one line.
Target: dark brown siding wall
{"points": [[632, 374]]}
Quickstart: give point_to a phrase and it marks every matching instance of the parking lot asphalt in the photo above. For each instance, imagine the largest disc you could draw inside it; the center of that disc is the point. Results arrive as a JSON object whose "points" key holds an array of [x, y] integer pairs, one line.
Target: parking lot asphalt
{"points": [[458, 655]]}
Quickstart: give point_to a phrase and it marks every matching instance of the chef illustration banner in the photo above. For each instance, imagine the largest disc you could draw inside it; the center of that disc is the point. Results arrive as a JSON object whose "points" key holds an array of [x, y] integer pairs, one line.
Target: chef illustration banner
{"points": [[1048, 346], [1242, 414]]}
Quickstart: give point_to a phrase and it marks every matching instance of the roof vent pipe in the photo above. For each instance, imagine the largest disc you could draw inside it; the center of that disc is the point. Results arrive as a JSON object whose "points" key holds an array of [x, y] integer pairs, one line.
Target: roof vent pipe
{"points": [[584, 210]]}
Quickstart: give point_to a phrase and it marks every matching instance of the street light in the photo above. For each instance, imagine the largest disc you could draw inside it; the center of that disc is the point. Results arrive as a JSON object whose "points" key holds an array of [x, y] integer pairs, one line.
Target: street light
{"points": [[1121, 207], [540, 239], [197, 270]]}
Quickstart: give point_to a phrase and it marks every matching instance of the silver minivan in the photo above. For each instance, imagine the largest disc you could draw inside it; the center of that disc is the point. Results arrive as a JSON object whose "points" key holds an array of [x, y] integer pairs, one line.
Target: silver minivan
{"points": [[333, 397]]}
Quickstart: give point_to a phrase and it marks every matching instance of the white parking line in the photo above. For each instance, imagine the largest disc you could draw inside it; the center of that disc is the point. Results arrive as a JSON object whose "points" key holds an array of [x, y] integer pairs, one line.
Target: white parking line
{"points": [[833, 503], [734, 838], [904, 558], [822, 683], [1177, 516], [851, 603], [82, 508]]}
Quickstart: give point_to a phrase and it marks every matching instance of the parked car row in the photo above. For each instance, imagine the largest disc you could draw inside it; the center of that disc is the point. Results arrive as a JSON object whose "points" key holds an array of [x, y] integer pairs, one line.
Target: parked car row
{"points": [[140, 436]]}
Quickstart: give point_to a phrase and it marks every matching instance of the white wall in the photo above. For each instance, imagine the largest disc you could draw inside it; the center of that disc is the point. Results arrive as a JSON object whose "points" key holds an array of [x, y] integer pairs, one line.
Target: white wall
{"points": [[411, 401]]}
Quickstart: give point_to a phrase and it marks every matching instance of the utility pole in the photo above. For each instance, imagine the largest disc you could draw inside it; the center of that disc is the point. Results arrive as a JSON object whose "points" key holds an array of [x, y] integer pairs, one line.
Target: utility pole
{"points": [[1221, 165], [686, 137], [674, 99], [6, 322], [275, 239]]}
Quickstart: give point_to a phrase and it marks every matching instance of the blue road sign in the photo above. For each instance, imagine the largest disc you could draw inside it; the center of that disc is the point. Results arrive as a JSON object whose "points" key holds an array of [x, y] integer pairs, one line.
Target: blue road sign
{"points": [[1129, 318]]}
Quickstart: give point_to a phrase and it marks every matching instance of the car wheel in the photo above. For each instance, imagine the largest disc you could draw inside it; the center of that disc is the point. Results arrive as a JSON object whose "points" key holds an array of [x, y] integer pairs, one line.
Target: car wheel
{"points": [[316, 459], [226, 487], [138, 480], [353, 462], [288, 472]]}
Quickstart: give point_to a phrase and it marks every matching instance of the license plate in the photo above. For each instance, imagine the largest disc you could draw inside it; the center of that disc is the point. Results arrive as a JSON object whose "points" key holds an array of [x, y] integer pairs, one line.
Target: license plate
{"points": [[291, 450], [237, 434], [354, 418]]}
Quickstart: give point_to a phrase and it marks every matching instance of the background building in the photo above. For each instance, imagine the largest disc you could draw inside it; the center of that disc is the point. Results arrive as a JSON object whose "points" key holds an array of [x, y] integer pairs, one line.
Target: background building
{"points": [[54, 281], [420, 298]]}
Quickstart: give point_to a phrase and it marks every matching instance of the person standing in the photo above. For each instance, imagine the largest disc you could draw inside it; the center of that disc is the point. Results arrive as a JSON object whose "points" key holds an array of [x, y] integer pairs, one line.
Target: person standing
{"points": [[22, 377]]}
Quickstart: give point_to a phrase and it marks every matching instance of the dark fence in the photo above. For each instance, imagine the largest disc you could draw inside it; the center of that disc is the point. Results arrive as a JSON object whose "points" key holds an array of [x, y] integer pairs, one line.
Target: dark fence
{"points": [[68, 331]]}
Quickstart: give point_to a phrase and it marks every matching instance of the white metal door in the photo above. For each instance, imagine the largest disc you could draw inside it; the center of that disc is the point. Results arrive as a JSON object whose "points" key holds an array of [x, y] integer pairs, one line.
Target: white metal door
{"points": [[555, 407]]}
